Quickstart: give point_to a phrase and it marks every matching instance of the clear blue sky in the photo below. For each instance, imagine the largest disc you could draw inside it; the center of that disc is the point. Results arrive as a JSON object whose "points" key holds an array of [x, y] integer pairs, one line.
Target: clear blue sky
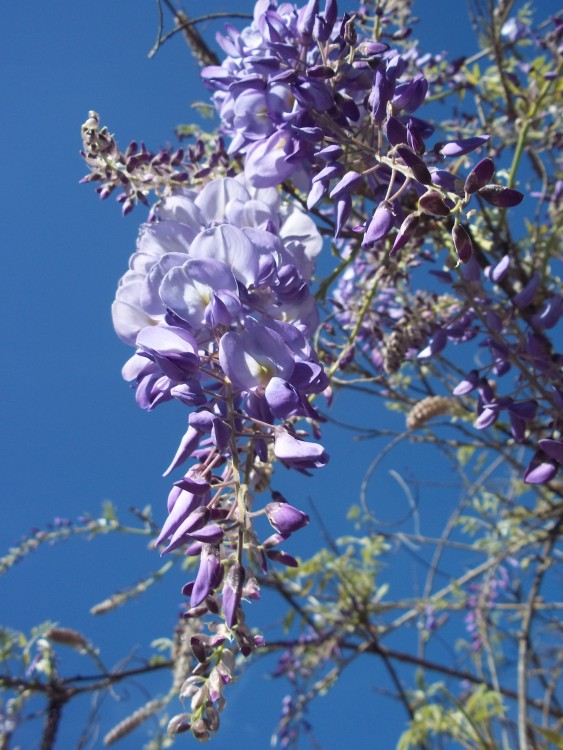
{"points": [[71, 432]]}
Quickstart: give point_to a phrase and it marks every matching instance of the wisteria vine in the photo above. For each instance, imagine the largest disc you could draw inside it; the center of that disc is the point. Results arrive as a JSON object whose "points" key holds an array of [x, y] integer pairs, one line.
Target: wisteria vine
{"points": [[328, 135]]}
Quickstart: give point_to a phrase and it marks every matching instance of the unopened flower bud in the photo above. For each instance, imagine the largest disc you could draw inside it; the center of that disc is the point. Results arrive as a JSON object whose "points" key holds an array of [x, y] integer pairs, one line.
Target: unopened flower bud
{"points": [[501, 197], [406, 231], [479, 176], [462, 243], [432, 203], [380, 225], [415, 164], [178, 724]]}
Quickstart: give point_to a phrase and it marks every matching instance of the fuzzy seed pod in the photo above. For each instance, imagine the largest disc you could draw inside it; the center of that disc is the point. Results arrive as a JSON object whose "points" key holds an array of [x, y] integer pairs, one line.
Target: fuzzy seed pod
{"points": [[428, 408], [67, 636], [126, 726]]}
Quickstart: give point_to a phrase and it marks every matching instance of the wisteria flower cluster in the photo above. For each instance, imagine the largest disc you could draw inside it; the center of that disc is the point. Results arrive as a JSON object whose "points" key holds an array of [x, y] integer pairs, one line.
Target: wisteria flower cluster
{"points": [[218, 299], [217, 302]]}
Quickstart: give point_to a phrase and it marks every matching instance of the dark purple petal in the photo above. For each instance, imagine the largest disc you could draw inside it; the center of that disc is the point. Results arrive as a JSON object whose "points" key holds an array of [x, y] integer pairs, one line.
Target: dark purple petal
{"points": [[432, 203], [551, 312], [526, 296], [212, 533], [415, 164], [517, 427], [380, 94], [479, 176], [409, 96], [524, 409], [501, 197], [282, 557], [462, 243], [406, 232], [395, 131], [552, 448], [436, 345], [414, 139]]}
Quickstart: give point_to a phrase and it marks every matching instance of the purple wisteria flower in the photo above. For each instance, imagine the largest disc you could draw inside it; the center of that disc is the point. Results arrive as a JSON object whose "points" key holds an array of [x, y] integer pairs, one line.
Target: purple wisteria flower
{"points": [[288, 83], [285, 518], [218, 305]]}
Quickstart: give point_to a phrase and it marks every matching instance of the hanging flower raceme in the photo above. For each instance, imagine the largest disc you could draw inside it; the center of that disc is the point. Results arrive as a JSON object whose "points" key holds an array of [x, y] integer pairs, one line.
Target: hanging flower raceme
{"points": [[217, 302]]}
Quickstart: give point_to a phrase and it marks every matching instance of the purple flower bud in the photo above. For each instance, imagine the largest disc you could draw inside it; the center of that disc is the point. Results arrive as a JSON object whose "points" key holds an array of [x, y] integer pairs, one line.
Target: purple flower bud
{"points": [[448, 181], [551, 312], [553, 448], [526, 296], [381, 224], [187, 446], [330, 12], [501, 197], [343, 210], [209, 574], [462, 243], [486, 418], [479, 176], [467, 385], [320, 71], [332, 169], [432, 203], [306, 20], [282, 557], [462, 146], [395, 131], [285, 518], [346, 184], [380, 95], [273, 541], [517, 427], [500, 269], [415, 164], [436, 345], [232, 593], [541, 469], [198, 649], [348, 31], [330, 153], [414, 139], [406, 231], [318, 189], [409, 96]]}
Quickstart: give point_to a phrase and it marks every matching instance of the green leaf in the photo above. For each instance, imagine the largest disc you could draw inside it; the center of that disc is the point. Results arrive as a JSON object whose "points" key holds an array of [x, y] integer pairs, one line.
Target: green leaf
{"points": [[551, 735]]}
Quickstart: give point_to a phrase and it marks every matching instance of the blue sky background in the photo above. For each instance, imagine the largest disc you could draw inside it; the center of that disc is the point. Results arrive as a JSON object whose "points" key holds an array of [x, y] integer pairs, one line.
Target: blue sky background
{"points": [[71, 433]]}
